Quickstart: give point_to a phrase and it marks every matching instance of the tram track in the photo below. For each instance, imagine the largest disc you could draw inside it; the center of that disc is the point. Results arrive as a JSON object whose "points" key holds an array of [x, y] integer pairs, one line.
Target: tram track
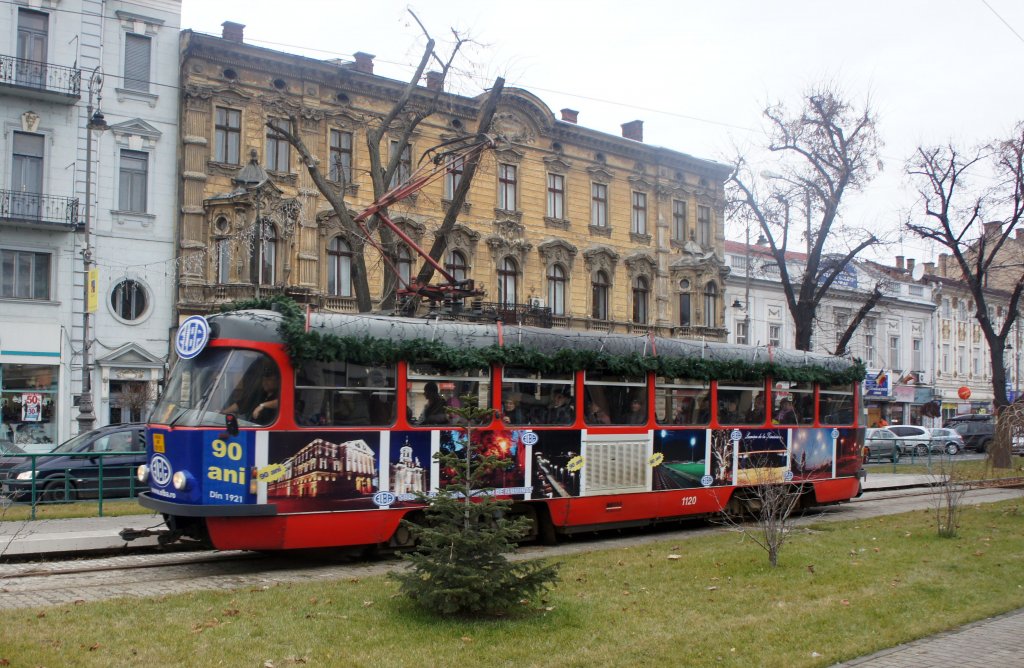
{"points": [[30, 584]]}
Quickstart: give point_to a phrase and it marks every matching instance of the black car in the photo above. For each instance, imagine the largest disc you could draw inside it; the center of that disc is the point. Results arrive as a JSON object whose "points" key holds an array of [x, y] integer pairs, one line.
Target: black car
{"points": [[11, 455], [61, 477], [978, 431]]}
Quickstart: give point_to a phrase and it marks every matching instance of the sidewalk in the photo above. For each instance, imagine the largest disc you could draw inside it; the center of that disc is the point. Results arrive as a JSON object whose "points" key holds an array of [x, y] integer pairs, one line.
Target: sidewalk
{"points": [[56, 537], [997, 642]]}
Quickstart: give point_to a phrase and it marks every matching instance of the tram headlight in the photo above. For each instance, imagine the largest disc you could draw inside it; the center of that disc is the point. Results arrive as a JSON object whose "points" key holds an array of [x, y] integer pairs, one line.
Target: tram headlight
{"points": [[142, 473], [182, 480]]}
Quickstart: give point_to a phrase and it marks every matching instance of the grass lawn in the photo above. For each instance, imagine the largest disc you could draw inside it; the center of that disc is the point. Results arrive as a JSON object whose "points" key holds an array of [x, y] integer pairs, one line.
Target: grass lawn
{"points": [[52, 511], [841, 590], [977, 469]]}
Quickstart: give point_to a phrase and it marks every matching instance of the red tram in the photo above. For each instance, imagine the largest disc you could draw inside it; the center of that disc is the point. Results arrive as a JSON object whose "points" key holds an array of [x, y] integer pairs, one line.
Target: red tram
{"points": [[278, 432]]}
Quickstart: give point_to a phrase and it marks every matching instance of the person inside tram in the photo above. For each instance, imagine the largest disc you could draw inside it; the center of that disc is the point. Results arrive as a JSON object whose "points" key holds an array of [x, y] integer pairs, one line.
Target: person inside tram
{"points": [[786, 414], [434, 411], [512, 413], [561, 411], [596, 414], [756, 413], [262, 406], [636, 414]]}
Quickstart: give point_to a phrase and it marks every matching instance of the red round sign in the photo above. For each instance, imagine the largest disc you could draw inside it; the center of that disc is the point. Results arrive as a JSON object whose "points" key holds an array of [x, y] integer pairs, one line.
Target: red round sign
{"points": [[964, 392]]}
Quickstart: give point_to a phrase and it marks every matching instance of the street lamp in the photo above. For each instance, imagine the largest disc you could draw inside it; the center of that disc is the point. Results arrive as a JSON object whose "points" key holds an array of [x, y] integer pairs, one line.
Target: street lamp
{"points": [[95, 121]]}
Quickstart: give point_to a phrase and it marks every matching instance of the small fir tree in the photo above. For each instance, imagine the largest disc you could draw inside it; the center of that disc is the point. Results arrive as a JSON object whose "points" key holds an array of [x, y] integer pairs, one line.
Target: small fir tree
{"points": [[459, 565]]}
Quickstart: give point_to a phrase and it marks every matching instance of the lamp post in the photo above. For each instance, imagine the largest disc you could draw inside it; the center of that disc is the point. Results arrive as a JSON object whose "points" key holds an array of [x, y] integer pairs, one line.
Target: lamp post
{"points": [[746, 288], [95, 121]]}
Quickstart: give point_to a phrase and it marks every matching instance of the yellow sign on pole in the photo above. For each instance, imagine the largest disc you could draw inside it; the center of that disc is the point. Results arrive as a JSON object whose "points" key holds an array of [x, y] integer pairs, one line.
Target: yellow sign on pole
{"points": [[94, 294]]}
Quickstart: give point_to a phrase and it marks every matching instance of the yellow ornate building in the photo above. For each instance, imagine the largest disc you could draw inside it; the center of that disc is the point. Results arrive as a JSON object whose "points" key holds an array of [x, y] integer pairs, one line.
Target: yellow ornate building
{"points": [[607, 232]]}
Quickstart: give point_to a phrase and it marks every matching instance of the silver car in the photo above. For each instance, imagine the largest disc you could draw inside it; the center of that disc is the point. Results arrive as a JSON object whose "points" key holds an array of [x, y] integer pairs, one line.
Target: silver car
{"points": [[946, 440], [913, 439], [881, 444]]}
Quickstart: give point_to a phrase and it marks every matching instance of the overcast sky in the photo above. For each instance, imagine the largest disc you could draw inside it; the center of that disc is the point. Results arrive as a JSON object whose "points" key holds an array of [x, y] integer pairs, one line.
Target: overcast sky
{"points": [[698, 73]]}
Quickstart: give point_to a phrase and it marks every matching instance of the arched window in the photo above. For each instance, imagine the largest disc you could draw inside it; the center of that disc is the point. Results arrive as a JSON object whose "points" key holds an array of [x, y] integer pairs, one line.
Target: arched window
{"points": [[556, 289], [457, 265], [339, 268], [600, 287], [684, 303], [640, 294], [404, 265], [265, 255], [508, 273], [223, 261], [711, 305]]}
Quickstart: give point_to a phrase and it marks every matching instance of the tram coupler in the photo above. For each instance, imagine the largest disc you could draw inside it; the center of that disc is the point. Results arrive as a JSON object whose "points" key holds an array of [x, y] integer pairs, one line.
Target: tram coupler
{"points": [[163, 536]]}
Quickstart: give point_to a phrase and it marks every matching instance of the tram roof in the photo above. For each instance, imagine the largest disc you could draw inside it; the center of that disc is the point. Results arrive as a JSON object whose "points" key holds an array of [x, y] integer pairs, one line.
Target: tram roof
{"points": [[260, 325]]}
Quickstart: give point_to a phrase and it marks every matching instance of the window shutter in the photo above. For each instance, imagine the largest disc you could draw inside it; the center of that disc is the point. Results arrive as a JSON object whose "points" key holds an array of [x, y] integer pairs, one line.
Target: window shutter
{"points": [[136, 62]]}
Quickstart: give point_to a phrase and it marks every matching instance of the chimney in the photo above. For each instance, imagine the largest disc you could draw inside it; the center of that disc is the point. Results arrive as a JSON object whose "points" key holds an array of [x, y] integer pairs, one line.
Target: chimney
{"points": [[633, 130], [1020, 235], [910, 265], [364, 62], [929, 268], [993, 228], [233, 32], [899, 262], [570, 115], [435, 80]]}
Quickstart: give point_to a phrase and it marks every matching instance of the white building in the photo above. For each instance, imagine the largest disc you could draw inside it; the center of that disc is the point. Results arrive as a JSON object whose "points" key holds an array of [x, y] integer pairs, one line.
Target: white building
{"points": [[58, 58], [896, 341]]}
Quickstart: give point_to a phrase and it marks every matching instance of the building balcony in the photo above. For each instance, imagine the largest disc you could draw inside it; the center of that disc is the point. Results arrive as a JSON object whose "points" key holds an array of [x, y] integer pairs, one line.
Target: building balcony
{"points": [[40, 81], [37, 210]]}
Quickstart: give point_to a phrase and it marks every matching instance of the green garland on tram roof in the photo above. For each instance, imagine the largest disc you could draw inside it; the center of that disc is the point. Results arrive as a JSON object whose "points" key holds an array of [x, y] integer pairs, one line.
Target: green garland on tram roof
{"points": [[314, 345]]}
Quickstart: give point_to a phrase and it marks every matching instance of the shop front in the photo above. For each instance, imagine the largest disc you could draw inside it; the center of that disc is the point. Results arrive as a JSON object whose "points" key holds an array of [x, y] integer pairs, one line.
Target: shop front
{"points": [[878, 397], [30, 392]]}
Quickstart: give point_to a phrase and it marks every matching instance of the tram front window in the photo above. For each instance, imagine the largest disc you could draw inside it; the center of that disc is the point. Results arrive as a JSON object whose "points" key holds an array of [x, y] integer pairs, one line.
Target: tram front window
{"points": [[202, 390]]}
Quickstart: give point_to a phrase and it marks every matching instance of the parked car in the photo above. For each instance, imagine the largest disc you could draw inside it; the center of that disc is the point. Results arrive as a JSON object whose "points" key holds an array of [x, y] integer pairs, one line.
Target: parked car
{"points": [[60, 477], [917, 440], [11, 455], [946, 440], [881, 444], [976, 430]]}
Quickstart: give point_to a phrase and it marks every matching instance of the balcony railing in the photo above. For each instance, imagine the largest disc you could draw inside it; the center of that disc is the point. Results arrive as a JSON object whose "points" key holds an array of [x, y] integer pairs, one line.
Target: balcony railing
{"points": [[510, 314], [41, 79], [36, 209]]}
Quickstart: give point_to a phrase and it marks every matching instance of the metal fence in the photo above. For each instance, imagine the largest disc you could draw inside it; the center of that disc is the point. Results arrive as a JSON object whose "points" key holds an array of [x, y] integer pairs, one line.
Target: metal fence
{"points": [[95, 476]]}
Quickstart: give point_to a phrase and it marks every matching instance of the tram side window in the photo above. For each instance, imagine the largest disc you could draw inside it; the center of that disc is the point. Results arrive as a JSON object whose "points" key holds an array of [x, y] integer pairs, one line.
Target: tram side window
{"points": [[741, 403], [615, 399], [836, 404], [344, 394], [531, 398], [682, 401], [794, 403], [431, 390]]}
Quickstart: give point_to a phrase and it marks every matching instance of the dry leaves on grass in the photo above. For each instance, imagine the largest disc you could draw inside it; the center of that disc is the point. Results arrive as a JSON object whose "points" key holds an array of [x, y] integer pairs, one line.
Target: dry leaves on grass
{"points": [[208, 624]]}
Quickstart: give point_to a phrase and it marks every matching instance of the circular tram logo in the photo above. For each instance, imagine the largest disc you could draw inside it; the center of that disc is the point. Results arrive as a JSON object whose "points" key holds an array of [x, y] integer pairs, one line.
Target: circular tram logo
{"points": [[384, 498], [192, 337], [160, 469]]}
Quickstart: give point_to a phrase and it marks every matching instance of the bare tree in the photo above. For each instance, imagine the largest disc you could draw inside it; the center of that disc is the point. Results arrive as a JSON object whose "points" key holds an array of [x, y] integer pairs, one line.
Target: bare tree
{"points": [[136, 397], [413, 106], [949, 486], [826, 149], [770, 503], [959, 215]]}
